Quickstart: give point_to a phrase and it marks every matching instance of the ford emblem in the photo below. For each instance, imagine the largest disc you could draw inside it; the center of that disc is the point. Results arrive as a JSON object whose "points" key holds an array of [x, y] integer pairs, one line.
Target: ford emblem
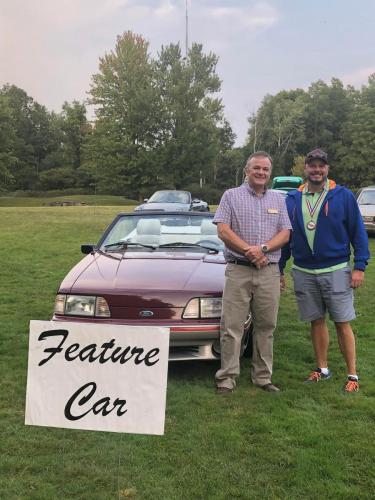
{"points": [[146, 314]]}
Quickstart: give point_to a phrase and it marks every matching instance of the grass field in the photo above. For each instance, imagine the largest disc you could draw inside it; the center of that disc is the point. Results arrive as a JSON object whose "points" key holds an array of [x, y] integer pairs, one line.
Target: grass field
{"points": [[309, 442], [87, 199]]}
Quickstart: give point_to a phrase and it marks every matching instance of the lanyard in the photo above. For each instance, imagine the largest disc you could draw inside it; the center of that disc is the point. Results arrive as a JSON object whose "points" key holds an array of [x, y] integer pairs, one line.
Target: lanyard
{"points": [[312, 208]]}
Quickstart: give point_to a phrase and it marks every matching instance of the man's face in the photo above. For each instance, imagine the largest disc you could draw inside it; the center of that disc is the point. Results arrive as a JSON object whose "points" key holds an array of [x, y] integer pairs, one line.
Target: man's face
{"points": [[258, 171], [316, 172]]}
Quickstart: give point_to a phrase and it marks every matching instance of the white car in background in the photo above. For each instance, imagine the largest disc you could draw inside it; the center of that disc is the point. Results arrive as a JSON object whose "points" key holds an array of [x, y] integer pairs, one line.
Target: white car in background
{"points": [[174, 200], [366, 203]]}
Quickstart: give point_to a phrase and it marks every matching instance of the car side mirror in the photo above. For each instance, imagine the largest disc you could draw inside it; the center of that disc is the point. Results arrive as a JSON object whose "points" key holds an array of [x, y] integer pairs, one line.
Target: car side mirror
{"points": [[196, 200], [145, 200], [88, 248]]}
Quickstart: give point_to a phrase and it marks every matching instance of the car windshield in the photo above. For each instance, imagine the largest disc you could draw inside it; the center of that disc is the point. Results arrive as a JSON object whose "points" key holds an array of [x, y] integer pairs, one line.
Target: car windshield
{"points": [[170, 197], [367, 197], [162, 232], [286, 183]]}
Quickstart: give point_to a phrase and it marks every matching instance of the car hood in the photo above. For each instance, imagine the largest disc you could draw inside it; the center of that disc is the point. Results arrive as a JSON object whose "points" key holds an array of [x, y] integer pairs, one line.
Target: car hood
{"points": [[367, 210], [173, 207], [169, 277]]}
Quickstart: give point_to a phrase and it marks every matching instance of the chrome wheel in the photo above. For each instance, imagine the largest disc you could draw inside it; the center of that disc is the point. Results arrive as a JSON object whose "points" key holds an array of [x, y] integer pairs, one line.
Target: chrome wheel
{"points": [[247, 339]]}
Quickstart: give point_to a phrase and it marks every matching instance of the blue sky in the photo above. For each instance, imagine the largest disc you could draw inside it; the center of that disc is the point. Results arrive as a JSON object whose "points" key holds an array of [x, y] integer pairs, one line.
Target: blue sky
{"points": [[50, 48]]}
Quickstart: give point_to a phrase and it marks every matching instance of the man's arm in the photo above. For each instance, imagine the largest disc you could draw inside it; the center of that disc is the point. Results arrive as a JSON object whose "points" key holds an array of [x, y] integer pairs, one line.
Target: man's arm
{"points": [[231, 239], [358, 277], [279, 240], [285, 256]]}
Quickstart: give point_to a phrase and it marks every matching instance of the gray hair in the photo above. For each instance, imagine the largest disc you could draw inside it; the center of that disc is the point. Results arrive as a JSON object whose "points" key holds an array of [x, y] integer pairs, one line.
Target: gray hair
{"points": [[257, 154]]}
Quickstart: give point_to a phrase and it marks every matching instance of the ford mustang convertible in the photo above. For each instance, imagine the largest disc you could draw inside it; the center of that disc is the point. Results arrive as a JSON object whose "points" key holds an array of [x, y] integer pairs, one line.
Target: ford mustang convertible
{"points": [[158, 269]]}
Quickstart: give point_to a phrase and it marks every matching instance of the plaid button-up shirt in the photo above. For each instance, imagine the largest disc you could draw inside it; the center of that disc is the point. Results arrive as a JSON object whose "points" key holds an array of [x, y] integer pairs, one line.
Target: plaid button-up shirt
{"points": [[255, 219]]}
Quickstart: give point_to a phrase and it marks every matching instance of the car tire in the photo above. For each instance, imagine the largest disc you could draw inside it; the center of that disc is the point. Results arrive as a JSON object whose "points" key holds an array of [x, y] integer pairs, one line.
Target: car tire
{"points": [[247, 342]]}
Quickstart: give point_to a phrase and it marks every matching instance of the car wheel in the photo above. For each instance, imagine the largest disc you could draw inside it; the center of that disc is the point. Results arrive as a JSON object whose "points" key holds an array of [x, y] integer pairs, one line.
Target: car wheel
{"points": [[247, 340]]}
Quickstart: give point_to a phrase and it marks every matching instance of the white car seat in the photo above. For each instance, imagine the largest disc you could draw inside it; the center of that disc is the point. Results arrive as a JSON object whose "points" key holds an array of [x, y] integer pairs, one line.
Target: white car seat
{"points": [[148, 231]]}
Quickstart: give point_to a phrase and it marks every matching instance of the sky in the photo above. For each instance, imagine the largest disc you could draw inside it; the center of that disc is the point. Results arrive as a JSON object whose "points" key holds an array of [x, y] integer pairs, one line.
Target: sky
{"points": [[51, 48]]}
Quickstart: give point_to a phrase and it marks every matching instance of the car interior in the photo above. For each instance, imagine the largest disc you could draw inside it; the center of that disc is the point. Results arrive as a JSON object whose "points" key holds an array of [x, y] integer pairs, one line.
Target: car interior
{"points": [[159, 231]]}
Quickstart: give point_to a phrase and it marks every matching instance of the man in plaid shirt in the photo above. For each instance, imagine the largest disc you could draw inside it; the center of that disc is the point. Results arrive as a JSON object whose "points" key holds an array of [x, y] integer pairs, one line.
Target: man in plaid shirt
{"points": [[253, 224]]}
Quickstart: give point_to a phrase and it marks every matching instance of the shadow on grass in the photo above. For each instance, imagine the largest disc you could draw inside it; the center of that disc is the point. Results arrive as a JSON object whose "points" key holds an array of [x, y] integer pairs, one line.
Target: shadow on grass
{"points": [[192, 371]]}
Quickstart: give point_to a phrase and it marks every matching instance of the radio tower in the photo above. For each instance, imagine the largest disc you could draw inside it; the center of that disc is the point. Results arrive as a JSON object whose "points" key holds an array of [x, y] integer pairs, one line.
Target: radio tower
{"points": [[186, 28]]}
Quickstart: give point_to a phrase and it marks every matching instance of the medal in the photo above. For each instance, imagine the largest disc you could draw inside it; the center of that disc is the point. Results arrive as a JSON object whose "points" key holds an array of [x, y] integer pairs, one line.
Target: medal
{"points": [[311, 225]]}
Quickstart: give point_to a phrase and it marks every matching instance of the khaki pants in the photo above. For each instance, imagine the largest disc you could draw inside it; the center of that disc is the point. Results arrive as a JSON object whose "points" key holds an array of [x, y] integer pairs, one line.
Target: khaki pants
{"points": [[257, 290]]}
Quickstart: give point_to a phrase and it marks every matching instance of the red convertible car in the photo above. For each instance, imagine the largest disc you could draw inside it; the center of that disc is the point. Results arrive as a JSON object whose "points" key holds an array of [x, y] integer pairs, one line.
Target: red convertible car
{"points": [[154, 268]]}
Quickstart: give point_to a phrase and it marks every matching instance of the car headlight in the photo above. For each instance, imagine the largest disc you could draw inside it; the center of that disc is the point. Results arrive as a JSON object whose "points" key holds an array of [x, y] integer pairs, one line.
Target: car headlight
{"points": [[82, 305], [368, 218], [200, 308]]}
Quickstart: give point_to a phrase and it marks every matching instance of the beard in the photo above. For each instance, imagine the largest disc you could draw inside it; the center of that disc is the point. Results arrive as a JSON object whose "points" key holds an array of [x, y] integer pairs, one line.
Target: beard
{"points": [[315, 182]]}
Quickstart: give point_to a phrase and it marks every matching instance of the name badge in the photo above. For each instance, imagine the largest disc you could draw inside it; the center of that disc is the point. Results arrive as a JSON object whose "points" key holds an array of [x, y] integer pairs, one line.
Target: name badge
{"points": [[272, 210]]}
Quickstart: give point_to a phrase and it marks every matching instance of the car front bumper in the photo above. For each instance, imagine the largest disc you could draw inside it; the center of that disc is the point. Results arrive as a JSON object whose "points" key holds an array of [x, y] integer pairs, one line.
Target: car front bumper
{"points": [[369, 223], [187, 342]]}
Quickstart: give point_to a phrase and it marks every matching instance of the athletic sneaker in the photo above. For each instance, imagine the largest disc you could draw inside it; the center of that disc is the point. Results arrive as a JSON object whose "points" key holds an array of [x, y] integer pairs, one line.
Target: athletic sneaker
{"points": [[317, 376], [351, 385]]}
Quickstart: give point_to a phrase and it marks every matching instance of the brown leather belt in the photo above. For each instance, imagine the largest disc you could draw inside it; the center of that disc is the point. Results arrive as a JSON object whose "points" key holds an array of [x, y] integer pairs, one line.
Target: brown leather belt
{"points": [[246, 263]]}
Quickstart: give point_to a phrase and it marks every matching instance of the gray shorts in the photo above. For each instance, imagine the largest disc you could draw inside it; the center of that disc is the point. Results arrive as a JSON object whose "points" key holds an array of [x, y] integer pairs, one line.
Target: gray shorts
{"points": [[318, 293]]}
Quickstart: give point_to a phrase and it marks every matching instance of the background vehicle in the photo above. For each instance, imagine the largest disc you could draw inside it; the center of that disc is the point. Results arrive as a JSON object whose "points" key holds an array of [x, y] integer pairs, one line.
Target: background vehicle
{"points": [[157, 269], [173, 200], [281, 191], [286, 182], [366, 203]]}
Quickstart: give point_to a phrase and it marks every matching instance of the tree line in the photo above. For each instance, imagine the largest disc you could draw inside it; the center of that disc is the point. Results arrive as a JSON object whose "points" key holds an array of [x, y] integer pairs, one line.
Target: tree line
{"points": [[159, 123], [339, 120]]}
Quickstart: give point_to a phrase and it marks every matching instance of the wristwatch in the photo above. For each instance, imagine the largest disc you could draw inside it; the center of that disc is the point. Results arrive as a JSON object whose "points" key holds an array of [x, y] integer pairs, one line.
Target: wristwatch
{"points": [[264, 248]]}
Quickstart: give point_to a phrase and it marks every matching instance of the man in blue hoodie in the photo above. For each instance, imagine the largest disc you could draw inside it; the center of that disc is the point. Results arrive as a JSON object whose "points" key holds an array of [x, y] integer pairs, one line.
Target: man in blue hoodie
{"points": [[326, 222]]}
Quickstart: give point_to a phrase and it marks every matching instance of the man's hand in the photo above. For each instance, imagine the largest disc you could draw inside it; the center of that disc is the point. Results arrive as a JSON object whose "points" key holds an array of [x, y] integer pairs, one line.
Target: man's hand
{"points": [[358, 278], [282, 283], [254, 253], [261, 262]]}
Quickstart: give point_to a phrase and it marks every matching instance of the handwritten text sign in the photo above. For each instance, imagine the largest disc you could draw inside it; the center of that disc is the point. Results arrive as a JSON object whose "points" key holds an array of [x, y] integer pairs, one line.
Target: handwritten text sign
{"points": [[97, 377]]}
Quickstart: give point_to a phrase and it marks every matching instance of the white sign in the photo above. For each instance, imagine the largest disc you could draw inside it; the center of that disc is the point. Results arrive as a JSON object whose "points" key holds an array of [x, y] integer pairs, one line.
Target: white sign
{"points": [[97, 377]]}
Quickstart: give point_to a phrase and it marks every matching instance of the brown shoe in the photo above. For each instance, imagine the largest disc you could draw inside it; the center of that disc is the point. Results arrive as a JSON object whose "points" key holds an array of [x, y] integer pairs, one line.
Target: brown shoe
{"points": [[269, 388], [223, 390]]}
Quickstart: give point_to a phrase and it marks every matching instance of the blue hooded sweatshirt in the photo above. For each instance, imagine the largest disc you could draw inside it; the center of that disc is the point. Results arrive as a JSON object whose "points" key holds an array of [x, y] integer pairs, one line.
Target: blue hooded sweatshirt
{"points": [[339, 225]]}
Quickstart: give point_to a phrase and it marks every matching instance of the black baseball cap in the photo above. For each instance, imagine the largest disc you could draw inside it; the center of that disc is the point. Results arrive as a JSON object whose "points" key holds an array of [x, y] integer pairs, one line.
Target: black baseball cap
{"points": [[316, 154]]}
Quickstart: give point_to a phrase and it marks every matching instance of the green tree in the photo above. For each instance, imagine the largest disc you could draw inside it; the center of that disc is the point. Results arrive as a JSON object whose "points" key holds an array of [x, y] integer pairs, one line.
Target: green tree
{"points": [[327, 111], [192, 124], [70, 130], [7, 140], [231, 168], [367, 95], [293, 122], [354, 165], [298, 168], [34, 136], [158, 123], [118, 154], [75, 128], [353, 161], [58, 178], [279, 128]]}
